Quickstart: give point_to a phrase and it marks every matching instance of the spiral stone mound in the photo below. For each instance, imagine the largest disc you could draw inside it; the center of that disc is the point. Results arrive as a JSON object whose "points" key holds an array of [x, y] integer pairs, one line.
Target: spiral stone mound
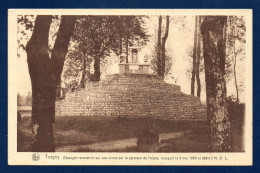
{"points": [[132, 95]]}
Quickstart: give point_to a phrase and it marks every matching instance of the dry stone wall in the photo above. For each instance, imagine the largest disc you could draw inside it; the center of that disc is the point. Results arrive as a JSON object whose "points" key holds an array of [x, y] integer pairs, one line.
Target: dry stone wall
{"points": [[131, 95]]}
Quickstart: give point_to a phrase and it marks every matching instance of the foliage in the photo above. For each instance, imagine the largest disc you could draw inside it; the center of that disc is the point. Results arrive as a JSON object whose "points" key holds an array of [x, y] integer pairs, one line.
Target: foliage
{"points": [[235, 41], [73, 67], [189, 58], [100, 37], [169, 60], [25, 28], [232, 105], [24, 100], [107, 63], [19, 99], [129, 29], [25, 24]]}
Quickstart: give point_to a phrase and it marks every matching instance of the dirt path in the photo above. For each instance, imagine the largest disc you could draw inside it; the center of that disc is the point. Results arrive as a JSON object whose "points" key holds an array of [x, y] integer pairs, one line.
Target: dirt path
{"points": [[115, 144]]}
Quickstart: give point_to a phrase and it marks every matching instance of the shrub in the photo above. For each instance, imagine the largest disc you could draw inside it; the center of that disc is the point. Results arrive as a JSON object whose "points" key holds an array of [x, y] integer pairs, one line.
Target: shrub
{"points": [[232, 105]]}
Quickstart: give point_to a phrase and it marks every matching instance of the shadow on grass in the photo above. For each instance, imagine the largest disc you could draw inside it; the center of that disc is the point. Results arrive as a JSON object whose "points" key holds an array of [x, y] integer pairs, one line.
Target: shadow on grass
{"points": [[83, 130]]}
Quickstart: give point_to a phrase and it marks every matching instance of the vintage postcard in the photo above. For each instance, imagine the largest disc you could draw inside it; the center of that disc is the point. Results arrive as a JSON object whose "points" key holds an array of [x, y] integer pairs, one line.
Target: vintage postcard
{"points": [[130, 87]]}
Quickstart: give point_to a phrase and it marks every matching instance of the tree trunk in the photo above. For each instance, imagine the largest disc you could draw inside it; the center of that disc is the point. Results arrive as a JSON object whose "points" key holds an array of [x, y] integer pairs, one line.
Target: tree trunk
{"points": [[159, 71], [97, 68], [235, 76], [198, 60], [194, 57], [212, 30], [121, 46], [235, 63], [163, 45], [45, 75], [127, 39], [83, 76], [58, 91]]}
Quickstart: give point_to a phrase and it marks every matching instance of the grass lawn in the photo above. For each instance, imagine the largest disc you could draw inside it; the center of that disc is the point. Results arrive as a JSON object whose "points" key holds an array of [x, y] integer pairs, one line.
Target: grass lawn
{"points": [[82, 130]]}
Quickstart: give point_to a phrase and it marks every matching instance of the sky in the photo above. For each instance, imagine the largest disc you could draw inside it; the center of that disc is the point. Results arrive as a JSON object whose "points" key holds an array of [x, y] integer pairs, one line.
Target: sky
{"points": [[179, 40]]}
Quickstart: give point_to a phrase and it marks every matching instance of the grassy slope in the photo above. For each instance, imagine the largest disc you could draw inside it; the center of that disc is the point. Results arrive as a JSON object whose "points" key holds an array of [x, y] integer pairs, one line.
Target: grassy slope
{"points": [[80, 130]]}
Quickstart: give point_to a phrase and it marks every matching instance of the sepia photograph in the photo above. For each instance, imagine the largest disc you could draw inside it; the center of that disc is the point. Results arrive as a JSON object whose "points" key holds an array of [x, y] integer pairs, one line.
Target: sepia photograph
{"points": [[140, 85]]}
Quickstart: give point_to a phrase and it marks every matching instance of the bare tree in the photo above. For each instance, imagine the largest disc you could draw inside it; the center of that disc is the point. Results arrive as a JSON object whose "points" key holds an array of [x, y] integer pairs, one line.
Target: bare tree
{"points": [[235, 46], [163, 45], [159, 47], [161, 51], [198, 57], [193, 73], [212, 30]]}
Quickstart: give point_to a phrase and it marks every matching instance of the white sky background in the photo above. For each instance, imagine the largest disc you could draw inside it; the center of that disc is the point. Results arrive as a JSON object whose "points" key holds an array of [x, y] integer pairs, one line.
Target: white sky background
{"points": [[179, 39]]}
